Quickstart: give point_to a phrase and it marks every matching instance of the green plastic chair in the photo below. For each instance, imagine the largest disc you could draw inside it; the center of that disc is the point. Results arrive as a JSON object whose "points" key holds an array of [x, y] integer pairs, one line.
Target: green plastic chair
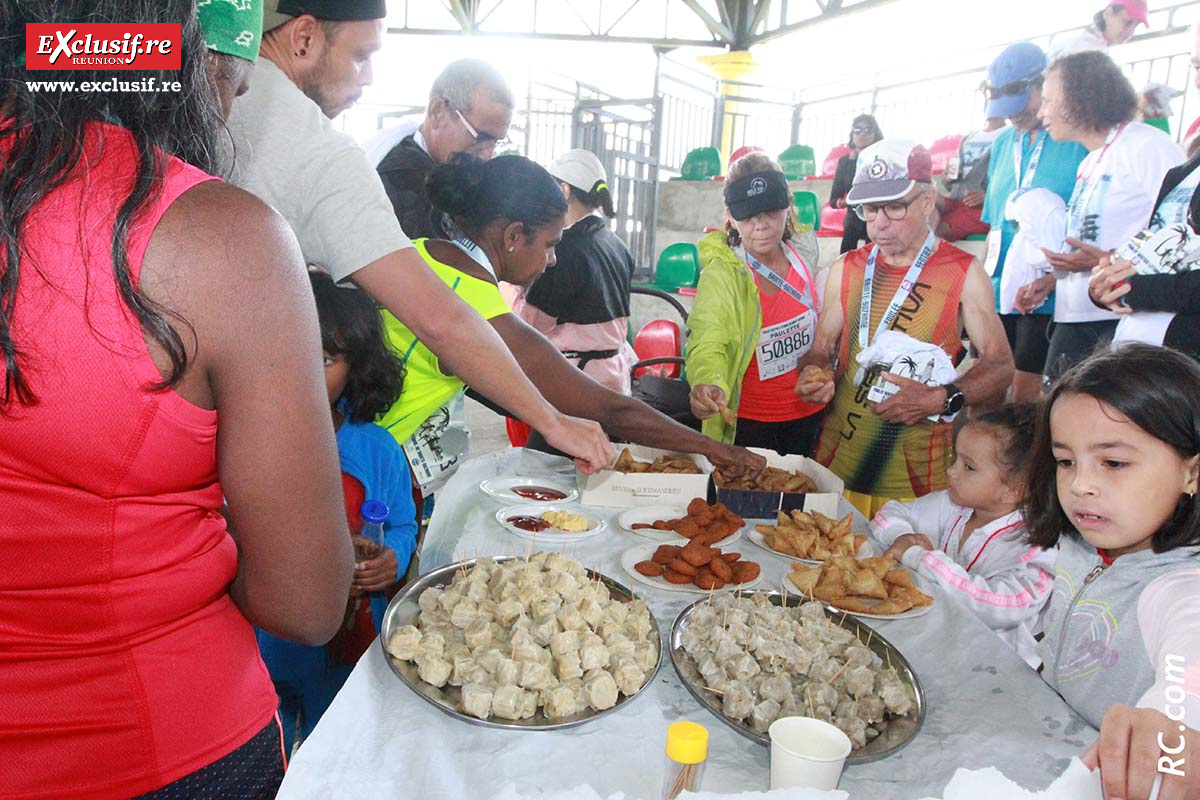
{"points": [[678, 267], [808, 211], [1162, 123], [701, 164], [798, 162]]}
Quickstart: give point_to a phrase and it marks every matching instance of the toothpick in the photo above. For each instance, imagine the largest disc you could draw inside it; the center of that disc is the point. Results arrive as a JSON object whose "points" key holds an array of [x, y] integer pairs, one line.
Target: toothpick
{"points": [[714, 691], [870, 633], [783, 592], [808, 694], [837, 674], [888, 653]]}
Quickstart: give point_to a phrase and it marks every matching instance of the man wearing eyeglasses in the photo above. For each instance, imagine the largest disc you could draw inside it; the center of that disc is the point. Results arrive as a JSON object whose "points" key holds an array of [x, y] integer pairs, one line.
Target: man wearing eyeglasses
{"points": [[908, 281], [1024, 156], [469, 111], [315, 60]]}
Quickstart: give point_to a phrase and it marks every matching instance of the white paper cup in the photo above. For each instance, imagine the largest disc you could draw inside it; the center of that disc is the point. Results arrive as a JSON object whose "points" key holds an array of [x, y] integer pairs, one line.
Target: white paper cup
{"points": [[806, 752]]}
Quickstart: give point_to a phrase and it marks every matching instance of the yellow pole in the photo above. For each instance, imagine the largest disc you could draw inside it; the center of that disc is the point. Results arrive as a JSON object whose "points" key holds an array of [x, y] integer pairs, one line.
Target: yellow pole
{"points": [[732, 68]]}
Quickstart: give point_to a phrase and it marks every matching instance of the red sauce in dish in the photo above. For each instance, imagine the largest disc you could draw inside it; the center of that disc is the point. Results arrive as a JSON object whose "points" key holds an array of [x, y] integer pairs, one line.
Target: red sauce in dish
{"points": [[540, 493], [528, 523]]}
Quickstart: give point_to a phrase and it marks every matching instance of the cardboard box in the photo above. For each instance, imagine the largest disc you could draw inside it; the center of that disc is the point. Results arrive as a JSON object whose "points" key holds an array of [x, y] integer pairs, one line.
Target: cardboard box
{"points": [[640, 489], [763, 505]]}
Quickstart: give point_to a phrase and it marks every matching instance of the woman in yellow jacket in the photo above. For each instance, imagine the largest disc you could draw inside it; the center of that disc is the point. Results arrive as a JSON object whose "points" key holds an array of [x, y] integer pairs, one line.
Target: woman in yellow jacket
{"points": [[755, 316], [510, 214]]}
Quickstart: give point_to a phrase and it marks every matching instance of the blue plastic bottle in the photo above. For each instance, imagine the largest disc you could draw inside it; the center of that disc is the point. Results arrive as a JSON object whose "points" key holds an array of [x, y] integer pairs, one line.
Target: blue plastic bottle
{"points": [[375, 514]]}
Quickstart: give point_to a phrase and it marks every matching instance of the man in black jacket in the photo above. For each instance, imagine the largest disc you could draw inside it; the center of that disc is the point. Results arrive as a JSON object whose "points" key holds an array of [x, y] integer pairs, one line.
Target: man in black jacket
{"points": [[470, 109]]}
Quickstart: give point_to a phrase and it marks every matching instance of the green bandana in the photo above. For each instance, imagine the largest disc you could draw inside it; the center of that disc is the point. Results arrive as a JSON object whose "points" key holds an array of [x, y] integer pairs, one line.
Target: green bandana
{"points": [[232, 26]]}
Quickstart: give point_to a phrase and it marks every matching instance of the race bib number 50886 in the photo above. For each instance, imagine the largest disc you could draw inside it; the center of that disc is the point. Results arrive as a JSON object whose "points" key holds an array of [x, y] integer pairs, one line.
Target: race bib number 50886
{"points": [[781, 346]]}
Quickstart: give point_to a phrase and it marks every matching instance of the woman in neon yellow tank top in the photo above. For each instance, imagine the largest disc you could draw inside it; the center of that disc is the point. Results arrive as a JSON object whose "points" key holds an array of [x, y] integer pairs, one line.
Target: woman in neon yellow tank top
{"points": [[511, 212]]}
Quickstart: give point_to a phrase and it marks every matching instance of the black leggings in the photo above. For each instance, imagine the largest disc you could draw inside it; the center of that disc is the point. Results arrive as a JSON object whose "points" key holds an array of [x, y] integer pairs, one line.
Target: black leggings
{"points": [[252, 772], [798, 436]]}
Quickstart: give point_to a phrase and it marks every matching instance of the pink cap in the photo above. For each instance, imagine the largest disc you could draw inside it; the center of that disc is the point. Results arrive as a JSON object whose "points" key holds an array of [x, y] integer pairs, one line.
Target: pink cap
{"points": [[1136, 9]]}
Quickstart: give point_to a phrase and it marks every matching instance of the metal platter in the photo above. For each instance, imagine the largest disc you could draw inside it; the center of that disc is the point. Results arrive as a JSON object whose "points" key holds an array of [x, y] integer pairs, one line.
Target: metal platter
{"points": [[403, 610], [896, 732]]}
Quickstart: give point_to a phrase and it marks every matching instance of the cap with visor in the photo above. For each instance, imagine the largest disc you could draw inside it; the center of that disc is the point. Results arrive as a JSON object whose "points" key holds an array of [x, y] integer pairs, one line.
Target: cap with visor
{"points": [[280, 12], [888, 170]]}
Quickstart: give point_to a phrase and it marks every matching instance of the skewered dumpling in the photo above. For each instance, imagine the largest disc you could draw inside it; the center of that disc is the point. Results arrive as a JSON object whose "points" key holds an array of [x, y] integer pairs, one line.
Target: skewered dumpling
{"points": [[477, 700], [559, 702], [601, 690], [403, 642]]}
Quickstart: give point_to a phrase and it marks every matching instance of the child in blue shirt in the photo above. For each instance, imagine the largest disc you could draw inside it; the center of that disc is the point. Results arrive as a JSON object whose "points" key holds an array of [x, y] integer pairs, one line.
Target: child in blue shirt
{"points": [[363, 378]]}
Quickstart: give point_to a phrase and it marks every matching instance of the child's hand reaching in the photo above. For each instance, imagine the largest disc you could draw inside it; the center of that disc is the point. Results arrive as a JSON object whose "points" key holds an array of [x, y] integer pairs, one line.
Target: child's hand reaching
{"points": [[376, 573], [906, 541], [1128, 755]]}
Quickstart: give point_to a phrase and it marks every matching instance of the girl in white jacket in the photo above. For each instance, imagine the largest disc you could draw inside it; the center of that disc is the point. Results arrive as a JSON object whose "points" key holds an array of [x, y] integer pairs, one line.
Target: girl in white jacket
{"points": [[971, 537]]}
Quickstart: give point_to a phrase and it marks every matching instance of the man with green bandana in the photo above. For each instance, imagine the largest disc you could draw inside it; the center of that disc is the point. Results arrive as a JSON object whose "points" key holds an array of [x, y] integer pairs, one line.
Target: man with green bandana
{"points": [[233, 32]]}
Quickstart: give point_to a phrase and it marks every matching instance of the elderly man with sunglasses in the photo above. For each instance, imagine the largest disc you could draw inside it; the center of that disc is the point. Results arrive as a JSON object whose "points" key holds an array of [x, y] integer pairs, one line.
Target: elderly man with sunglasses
{"points": [[469, 111], [907, 281], [1024, 157]]}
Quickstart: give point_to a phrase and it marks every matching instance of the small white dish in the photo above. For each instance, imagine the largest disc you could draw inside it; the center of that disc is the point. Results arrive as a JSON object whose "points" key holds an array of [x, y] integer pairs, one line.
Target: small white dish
{"points": [[506, 490], [549, 535]]}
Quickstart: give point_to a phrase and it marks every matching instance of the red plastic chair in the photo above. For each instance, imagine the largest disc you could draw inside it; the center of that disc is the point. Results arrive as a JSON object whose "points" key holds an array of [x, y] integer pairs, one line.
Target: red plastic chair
{"points": [[745, 150], [518, 431], [829, 168], [833, 222], [944, 149], [658, 338]]}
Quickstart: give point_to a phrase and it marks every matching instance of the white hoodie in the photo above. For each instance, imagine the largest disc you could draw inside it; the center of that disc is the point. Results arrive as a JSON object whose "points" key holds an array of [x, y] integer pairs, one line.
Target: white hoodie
{"points": [[1003, 580]]}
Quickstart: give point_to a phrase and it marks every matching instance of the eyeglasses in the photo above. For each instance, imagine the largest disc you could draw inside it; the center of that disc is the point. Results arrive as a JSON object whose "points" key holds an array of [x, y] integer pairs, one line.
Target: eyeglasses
{"points": [[895, 210], [861, 129], [1014, 88], [482, 140]]}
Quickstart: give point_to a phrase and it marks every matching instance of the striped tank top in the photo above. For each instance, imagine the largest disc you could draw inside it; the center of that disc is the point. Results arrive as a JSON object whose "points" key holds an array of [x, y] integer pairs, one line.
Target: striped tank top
{"points": [[887, 459]]}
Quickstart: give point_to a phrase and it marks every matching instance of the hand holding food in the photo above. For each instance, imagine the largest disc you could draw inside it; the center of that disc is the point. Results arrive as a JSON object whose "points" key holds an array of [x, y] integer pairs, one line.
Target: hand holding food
{"points": [[1110, 282], [906, 541], [815, 384], [706, 400], [736, 462]]}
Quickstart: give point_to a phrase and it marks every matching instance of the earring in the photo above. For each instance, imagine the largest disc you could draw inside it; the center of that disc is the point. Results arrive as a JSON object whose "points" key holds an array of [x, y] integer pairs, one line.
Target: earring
{"points": [[301, 52], [511, 248]]}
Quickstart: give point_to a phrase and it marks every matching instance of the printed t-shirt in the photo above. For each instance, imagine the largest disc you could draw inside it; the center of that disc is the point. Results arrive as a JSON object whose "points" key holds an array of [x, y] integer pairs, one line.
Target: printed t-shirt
{"points": [[1056, 168], [886, 459], [1115, 191], [289, 154], [788, 328], [426, 387]]}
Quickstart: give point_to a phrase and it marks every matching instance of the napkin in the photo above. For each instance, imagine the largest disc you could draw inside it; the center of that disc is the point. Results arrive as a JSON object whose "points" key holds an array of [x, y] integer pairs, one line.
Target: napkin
{"points": [[990, 784], [509, 792]]}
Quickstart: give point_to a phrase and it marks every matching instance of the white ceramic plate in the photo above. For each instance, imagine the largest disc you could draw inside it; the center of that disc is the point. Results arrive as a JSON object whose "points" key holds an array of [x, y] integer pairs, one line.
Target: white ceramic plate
{"points": [[550, 535], [759, 539], [915, 611], [502, 489], [642, 552], [630, 517]]}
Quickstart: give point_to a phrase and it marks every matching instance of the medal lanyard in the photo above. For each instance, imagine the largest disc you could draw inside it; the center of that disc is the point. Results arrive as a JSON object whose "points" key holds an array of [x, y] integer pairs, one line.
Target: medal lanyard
{"points": [[1085, 187], [910, 280], [1025, 178], [476, 254], [804, 298]]}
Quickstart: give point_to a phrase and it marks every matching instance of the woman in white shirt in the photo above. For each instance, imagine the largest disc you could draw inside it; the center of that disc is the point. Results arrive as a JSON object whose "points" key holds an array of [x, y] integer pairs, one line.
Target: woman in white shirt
{"points": [[1087, 99]]}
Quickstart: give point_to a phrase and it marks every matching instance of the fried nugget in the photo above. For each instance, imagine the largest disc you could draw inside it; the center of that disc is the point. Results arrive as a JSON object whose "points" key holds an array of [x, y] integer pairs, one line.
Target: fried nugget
{"points": [[805, 578], [707, 581], [697, 506], [671, 576], [649, 568], [697, 554], [665, 553], [745, 571], [687, 528], [681, 566], [729, 557], [721, 568], [899, 577]]}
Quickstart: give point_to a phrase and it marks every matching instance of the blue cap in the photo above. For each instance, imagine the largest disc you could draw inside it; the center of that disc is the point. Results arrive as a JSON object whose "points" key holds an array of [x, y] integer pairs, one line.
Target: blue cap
{"points": [[1018, 62], [375, 511]]}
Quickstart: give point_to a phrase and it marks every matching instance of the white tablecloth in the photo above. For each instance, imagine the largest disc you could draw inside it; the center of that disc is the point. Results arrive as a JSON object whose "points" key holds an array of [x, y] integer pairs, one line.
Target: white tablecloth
{"points": [[379, 740]]}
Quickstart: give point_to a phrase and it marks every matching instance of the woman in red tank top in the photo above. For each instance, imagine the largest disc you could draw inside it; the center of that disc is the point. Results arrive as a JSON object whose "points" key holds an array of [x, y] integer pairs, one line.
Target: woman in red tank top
{"points": [[150, 321]]}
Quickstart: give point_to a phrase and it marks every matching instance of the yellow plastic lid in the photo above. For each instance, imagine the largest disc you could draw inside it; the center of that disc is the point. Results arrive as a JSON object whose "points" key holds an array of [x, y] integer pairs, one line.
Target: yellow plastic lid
{"points": [[687, 742]]}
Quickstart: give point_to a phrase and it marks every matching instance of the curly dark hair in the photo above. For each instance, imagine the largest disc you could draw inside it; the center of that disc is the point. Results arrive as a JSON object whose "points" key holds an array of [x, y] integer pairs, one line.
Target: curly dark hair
{"points": [[1156, 389], [1014, 424], [1096, 94], [350, 326], [43, 134]]}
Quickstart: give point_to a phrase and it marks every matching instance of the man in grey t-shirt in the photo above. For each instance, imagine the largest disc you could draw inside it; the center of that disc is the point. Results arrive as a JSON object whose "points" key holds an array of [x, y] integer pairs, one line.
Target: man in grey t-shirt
{"points": [[316, 57]]}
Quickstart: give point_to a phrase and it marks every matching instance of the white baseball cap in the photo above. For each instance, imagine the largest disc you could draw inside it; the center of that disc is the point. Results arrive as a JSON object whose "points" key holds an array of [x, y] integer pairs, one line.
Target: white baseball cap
{"points": [[581, 169]]}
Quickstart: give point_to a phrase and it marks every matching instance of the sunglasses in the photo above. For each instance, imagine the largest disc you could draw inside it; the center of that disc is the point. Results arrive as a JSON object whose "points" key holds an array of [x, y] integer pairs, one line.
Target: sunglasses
{"points": [[1014, 88], [861, 129]]}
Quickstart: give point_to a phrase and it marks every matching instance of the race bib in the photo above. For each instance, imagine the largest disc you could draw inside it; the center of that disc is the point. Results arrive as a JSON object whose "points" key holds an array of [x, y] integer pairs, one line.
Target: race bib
{"points": [[781, 346], [993, 250], [438, 447]]}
